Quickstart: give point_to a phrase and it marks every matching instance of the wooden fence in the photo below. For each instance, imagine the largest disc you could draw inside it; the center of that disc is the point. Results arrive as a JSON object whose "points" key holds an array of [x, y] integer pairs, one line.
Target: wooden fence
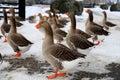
{"points": [[19, 8]]}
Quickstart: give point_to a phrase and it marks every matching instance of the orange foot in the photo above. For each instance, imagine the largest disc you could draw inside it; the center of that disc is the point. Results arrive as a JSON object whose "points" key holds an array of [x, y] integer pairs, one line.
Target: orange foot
{"points": [[97, 43], [17, 54], [52, 76], [62, 74]]}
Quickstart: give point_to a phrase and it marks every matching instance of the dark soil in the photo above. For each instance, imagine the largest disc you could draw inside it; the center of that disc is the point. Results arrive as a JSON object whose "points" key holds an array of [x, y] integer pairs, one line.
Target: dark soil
{"points": [[35, 66]]}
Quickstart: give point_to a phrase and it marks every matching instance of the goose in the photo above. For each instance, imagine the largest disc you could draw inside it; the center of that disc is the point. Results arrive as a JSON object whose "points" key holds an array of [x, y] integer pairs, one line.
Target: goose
{"points": [[106, 23], [17, 40], [49, 16], [59, 18], [78, 31], [57, 32], [56, 53], [62, 20], [58, 23], [45, 18], [31, 19], [11, 10], [75, 40], [5, 27], [94, 29]]}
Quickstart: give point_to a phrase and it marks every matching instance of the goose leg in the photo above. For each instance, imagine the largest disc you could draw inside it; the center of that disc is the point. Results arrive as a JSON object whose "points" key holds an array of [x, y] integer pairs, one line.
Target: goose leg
{"points": [[98, 42], [57, 73], [96, 39], [18, 54], [54, 75], [62, 74]]}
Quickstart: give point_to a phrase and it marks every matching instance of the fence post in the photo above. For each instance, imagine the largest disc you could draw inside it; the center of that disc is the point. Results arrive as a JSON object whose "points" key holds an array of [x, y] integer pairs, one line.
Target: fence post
{"points": [[22, 8]]}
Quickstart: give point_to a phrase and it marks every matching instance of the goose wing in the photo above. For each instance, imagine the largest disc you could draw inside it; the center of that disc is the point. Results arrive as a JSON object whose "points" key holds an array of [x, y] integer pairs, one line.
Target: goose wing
{"points": [[20, 40], [97, 29], [63, 53], [80, 41], [110, 24], [61, 32]]}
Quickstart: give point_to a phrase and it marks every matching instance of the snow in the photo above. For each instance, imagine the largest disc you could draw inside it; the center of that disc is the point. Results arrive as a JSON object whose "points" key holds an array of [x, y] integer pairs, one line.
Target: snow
{"points": [[107, 52]]}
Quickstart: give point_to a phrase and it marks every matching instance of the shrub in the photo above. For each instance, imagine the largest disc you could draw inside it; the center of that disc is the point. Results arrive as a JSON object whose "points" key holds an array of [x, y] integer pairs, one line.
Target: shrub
{"points": [[67, 5], [113, 7], [104, 6]]}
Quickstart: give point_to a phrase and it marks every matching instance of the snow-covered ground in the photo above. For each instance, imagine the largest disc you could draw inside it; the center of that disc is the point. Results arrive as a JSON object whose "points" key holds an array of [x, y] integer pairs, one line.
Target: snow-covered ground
{"points": [[97, 59]]}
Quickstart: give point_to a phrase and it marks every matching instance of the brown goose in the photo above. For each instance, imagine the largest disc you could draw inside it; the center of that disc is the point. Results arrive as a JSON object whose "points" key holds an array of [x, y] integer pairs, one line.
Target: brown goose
{"points": [[78, 31], [55, 54], [17, 40], [11, 10], [93, 28], [75, 40], [57, 32], [5, 27], [106, 23]]}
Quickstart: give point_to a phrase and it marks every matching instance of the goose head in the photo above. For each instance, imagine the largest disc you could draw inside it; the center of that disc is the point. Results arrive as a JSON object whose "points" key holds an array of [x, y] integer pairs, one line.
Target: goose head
{"points": [[87, 10], [45, 28], [70, 14], [40, 26], [11, 10], [39, 14], [90, 14], [49, 13]]}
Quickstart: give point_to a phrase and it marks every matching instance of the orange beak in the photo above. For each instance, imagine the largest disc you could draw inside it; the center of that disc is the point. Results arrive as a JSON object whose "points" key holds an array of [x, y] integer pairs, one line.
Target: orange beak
{"points": [[38, 25], [87, 10]]}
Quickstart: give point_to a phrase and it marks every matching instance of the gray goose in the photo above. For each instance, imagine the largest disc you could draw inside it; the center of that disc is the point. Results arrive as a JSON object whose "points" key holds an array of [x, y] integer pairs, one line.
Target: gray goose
{"points": [[5, 27], [75, 40], [58, 23], [106, 23], [49, 16], [55, 54], [78, 31], [94, 29], [62, 20], [16, 40], [59, 18], [45, 18], [31, 19], [18, 24], [57, 32]]}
